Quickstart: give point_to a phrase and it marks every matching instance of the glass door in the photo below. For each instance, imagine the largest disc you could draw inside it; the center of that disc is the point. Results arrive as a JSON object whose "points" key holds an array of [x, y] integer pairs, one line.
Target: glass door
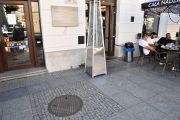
{"points": [[105, 17], [15, 35]]}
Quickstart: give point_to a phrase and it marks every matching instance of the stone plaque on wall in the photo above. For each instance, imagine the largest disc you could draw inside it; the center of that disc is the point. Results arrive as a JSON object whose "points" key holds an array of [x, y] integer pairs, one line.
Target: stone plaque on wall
{"points": [[63, 16]]}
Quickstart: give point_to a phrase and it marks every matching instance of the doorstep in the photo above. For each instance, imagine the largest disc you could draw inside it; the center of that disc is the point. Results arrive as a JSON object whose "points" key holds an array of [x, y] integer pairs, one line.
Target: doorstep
{"points": [[23, 73]]}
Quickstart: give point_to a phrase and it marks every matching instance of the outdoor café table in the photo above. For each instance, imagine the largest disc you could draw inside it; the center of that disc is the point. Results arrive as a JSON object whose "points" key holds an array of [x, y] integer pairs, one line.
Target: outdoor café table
{"points": [[173, 50], [170, 49]]}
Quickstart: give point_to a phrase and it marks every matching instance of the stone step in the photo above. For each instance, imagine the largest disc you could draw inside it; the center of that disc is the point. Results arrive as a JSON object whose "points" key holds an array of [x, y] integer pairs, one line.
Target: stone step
{"points": [[23, 75]]}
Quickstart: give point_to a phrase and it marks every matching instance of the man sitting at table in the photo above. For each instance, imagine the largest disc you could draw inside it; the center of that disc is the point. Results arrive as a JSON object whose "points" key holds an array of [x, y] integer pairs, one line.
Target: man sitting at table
{"points": [[166, 40], [147, 49]]}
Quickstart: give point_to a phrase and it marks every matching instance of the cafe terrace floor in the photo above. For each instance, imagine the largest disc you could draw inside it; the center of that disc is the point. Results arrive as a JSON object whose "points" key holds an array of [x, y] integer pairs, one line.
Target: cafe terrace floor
{"points": [[128, 92]]}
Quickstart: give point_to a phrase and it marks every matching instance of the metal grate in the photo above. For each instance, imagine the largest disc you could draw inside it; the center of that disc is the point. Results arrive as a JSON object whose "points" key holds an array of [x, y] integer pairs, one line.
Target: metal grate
{"points": [[65, 105]]}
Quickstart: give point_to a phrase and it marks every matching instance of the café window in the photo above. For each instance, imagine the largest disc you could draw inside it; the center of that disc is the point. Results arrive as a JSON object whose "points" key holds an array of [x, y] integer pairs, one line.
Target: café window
{"points": [[151, 23]]}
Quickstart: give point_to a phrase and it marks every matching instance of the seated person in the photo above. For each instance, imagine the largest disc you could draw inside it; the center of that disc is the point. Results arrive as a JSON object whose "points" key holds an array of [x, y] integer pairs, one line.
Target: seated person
{"points": [[165, 40], [147, 49], [152, 39]]}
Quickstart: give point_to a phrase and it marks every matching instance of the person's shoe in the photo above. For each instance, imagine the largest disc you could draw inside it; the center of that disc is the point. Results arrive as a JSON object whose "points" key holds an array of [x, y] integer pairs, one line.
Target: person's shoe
{"points": [[173, 69], [161, 63]]}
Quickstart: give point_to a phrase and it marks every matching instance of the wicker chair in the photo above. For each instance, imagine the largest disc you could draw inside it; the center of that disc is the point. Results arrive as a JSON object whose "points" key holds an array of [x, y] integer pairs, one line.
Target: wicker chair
{"points": [[142, 56]]}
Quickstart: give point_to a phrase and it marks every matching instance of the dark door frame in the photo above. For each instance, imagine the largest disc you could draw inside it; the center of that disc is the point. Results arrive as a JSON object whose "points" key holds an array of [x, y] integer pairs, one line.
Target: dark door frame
{"points": [[2, 57], [31, 37], [112, 24]]}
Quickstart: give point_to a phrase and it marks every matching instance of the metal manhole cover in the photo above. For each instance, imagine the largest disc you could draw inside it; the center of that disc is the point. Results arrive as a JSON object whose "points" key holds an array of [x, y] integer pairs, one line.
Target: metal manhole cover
{"points": [[65, 105]]}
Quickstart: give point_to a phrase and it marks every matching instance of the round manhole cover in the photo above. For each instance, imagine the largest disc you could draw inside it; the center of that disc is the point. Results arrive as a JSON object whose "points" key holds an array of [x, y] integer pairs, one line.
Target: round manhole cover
{"points": [[65, 105]]}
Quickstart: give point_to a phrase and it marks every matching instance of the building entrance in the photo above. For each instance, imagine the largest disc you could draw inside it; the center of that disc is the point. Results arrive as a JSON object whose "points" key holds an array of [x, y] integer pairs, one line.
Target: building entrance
{"points": [[20, 35]]}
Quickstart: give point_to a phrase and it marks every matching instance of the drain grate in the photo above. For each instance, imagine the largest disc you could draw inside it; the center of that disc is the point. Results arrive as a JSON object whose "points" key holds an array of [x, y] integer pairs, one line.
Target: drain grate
{"points": [[65, 105]]}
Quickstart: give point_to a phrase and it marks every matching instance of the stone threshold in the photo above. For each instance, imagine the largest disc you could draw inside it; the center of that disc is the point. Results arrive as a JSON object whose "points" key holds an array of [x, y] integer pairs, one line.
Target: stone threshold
{"points": [[25, 74]]}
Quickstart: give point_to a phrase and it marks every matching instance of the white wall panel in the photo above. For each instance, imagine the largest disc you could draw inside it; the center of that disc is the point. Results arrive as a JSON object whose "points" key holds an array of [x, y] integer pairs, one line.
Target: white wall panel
{"points": [[167, 26], [62, 37], [61, 43], [127, 30]]}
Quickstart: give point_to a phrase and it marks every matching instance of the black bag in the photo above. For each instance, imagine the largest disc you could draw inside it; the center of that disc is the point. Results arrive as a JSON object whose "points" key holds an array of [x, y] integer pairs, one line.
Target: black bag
{"points": [[129, 45]]}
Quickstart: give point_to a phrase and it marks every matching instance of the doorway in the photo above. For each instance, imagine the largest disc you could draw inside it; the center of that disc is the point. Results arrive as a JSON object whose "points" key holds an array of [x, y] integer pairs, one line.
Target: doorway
{"points": [[109, 20], [105, 18], [151, 23], [20, 35]]}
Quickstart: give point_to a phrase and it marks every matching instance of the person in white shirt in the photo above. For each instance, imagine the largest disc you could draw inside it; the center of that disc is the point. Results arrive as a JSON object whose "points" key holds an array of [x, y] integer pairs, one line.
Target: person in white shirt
{"points": [[146, 47], [152, 39]]}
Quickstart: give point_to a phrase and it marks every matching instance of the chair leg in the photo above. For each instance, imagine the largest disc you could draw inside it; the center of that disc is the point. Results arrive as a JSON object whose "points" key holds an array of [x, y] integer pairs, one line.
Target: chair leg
{"points": [[142, 61], [154, 66], [149, 59], [138, 59], [175, 70], [164, 69]]}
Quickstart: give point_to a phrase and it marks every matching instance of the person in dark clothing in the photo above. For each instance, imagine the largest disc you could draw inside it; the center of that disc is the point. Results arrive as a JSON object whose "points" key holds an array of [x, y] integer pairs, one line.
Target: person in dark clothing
{"points": [[166, 40], [18, 33]]}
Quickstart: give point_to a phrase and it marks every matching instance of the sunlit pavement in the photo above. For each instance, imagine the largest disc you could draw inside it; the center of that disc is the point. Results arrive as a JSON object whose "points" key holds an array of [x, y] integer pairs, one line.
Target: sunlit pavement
{"points": [[128, 92]]}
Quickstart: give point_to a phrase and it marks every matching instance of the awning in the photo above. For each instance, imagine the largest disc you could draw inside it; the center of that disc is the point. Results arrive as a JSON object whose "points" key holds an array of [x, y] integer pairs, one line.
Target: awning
{"points": [[162, 6]]}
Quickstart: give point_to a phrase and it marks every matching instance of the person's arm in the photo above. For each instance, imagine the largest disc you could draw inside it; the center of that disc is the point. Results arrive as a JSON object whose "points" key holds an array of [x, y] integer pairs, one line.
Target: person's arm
{"points": [[152, 45], [150, 48]]}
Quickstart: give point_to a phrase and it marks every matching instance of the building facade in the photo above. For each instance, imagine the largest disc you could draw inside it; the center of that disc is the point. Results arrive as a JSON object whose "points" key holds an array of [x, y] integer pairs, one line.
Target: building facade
{"points": [[53, 32]]}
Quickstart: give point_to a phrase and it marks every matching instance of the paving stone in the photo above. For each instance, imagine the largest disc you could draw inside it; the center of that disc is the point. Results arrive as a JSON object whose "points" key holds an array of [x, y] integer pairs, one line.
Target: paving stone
{"points": [[37, 87], [20, 83], [142, 111], [23, 115], [99, 81], [12, 84], [173, 95], [165, 105], [153, 87], [57, 83], [126, 99], [109, 89], [136, 90], [16, 105], [173, 116], [13, 94], [118, 77], [126, 115]]}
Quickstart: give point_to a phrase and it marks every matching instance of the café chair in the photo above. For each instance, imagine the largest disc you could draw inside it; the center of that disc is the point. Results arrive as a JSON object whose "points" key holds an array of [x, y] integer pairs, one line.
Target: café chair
{"points": [[142, 56]]}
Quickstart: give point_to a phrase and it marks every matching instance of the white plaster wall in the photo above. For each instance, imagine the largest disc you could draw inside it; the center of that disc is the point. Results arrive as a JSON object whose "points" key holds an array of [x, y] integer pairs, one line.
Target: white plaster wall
{"points": [[173, 27], [126, 31], [63, 60], [167, 26], [163, 22], [61, 38], [57, 39]]}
